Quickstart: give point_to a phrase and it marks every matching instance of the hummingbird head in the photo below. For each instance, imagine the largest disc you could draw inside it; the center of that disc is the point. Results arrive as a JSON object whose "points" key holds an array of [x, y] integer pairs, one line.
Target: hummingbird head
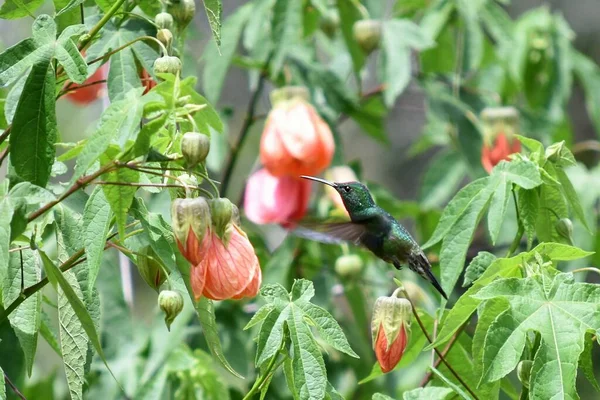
{"points": [[355, 195]]}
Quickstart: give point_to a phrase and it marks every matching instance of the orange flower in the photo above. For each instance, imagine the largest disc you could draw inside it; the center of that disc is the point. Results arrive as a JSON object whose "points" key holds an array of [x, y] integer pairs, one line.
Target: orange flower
{"points": [[295, 141], [390, 329], [88, 94], [147, 81], [499, 126], [224, 264]]}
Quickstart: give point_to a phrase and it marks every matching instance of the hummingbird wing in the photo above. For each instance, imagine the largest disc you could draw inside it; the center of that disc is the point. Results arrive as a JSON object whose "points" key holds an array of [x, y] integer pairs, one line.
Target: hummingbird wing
{"points": [[332, 232]]}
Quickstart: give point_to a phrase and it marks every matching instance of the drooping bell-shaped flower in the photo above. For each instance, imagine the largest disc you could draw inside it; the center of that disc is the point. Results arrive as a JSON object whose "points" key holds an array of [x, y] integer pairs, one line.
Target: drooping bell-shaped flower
{"points": [[500, 124], [271, 199], [191, 222], [89, 91], [390, 329], [295, 141]]}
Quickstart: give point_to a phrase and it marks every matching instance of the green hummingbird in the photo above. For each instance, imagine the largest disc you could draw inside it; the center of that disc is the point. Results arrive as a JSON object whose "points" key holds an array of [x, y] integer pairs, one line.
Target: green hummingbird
{"points": [[372, 227]]}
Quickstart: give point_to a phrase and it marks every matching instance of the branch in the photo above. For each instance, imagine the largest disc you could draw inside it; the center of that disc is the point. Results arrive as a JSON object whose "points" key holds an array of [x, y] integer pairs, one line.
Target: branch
{"points": [[446, 350], [13, 387]]}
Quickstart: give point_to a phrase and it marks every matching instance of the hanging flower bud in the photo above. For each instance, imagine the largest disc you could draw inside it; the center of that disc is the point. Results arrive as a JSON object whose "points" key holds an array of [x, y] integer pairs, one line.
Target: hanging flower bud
{"points": [[524, 372], [182, 11], [191, 222], [164, 20], [271, 199], [500, 124], [148, 264], [348, 265], [168, 65], [330, 22], [221, 211], [564, 227], [194, 147], [171, 302], [390, 330], [367, 33], [295, 140], [165, 37]]}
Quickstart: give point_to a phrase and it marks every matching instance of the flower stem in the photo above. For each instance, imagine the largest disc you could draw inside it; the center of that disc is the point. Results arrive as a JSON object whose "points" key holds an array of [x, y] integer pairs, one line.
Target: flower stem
{"points": [[94, 31], [440, 355], [446, 350], [262, 378]]}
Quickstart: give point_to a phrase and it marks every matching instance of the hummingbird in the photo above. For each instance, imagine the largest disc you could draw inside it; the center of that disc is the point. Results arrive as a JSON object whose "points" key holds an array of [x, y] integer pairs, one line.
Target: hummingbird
{"points": [[372, 227]]}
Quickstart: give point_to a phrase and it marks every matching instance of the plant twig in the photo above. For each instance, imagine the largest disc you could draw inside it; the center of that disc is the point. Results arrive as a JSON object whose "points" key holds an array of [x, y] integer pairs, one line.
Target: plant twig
{"points": [[261, 380], [446, 350], [13, 387], [440, 355], [5, 134]]}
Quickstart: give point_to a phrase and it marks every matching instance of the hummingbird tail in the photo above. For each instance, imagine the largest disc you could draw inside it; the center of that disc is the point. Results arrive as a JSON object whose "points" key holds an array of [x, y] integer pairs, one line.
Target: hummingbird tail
{"points": [[420, 264]]}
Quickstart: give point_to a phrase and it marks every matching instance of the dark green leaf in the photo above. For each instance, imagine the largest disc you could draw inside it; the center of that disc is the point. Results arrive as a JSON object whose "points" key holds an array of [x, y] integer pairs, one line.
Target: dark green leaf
{"points": [[443, 175], [287, 31], [588, 74], [572, 196], [528, 204], [349, 14], [12, 9], [370, 116], [586, 362], [120, 196], [213, 10], [96, 222]]}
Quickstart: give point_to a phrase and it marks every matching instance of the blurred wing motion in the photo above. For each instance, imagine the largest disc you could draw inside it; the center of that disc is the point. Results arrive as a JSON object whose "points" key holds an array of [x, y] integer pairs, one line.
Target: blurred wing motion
{"points": [[335, 232]]}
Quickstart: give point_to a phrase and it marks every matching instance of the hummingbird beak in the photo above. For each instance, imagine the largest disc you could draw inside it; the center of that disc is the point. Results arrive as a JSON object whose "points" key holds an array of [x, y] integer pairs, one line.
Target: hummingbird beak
{"points": [[312, 178]]}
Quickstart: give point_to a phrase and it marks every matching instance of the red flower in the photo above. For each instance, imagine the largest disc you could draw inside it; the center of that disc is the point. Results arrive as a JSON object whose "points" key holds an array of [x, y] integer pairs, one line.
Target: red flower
{"points": [[295, 140], [500, 150], [270, 199], [390, 329], [147, 81], [89, 94]]}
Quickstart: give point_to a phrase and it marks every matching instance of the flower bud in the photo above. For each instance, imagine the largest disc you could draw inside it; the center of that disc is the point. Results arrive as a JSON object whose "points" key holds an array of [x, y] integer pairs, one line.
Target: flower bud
{"points": [[524, 372], [190, 221], [367, 33], [164, 20], [167, 64], [149, 267], [182, 11], [330, 21], [500, 124], [171, 302], [194, 147], [348, 265], [564, 227], [222, 212], [390, 330], [165, 37]]}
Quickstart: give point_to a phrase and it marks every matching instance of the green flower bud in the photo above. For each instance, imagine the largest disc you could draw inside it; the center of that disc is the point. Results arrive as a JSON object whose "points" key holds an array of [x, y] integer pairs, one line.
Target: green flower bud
{"points": [[167, 64], [330, 22], [189, 214], [183, 11], [165, 37], [171, 302], [164, 20], [194, 147], [348, 265], [222, 212], [564, 227], [390, 314], [149, 267], [367, 33], [524, 372]]}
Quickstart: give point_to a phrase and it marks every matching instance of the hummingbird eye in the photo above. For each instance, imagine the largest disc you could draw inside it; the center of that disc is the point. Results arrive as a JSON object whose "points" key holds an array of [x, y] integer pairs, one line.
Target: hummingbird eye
{"points": [[347, 188]]}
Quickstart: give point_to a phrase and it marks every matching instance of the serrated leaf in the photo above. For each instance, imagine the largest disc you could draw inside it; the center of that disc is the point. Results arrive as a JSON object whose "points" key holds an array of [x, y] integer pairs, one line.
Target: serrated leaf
{"points": [[56, 277], [523, 173], [6, 214], [96, 222], [430, 393], [560, 310], [478, 266], [49, 334], [329, 329], [572, 196], [552, 207], [270, 335], [286, 30], [119, 196], [259, 316], [528, 205], [586, 362], [34, 126], [13, 9], [487, 313], [26, 318], [213, 10], [217, 59], [497, 209]]}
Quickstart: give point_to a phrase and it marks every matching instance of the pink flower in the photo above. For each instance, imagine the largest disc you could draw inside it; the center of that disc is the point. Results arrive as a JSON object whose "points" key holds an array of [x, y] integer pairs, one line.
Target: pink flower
{"points": [[275, 200]]}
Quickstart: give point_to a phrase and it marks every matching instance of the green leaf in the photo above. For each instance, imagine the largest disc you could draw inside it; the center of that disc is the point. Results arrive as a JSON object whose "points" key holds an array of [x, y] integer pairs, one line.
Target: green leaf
{"points": [[26, 319], [120, 196], [56, 277], [478, 266], [588, 73], [528, 205], [96, 223], [370, 116], [206, 315], [572, 196], [448, 382], [430, 393], [399, 36], [270, 335], [216, 65], [455, 209], [553, 206], [259, 316], [487, 313], [287, 31], [213, 10], [523, 173], [6, 214], [586, 362], [12, 99], [328, 328], [2, 387], [349, 14], [442, 177], [381, 396], [473, 34], [560, 310], [13, 9], [497, 209], [34, 127], [49, 334]]}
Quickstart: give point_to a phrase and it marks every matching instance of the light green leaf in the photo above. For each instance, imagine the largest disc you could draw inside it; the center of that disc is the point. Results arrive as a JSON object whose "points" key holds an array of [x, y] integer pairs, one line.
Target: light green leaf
{"points": [[6, 214], [216, 65], [588, 73], [349, 14], [328, 328], [552, 207], [25, 319], [560, 310], [448, 382], [122, 75], [487, 313], [56, 277], [442, 177], [528, 204], [259, 316], [399, 36], [287, 31], [119, 196], [213, 10], [455, 209], [34, 126], [49, 333], [473, 34], [96, 222], [572, 196], [497, 209], [2, 387], [523, 173], [381, 396], [270, 335], [430, 393], [13, 9], [478, 266], [12, 99], [586, 362]]}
